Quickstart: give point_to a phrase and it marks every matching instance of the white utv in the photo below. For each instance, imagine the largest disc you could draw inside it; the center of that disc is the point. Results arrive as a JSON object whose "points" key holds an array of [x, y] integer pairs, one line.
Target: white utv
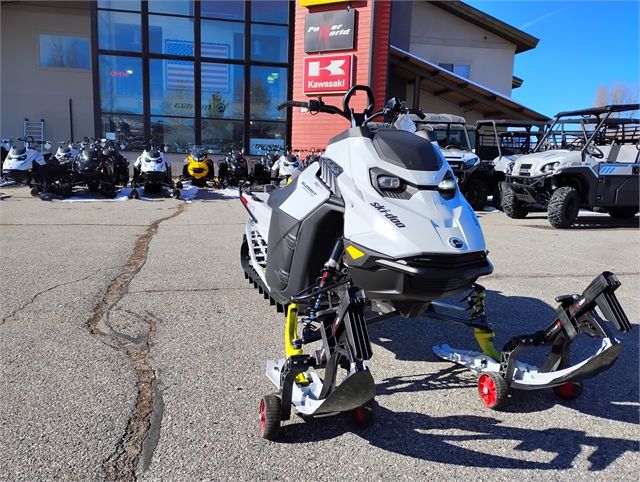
{"points": [[587, 159], [499, 143], [451, 132]]}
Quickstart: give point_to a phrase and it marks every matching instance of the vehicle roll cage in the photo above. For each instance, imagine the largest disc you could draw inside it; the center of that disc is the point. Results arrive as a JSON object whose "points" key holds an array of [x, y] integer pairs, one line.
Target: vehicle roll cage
{"points": [[597, 115], [527, 125]]}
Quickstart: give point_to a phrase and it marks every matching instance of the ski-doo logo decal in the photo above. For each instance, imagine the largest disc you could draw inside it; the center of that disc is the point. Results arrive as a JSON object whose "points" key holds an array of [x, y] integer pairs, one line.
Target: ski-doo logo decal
{"points": [[391, 217], [456, 242]]}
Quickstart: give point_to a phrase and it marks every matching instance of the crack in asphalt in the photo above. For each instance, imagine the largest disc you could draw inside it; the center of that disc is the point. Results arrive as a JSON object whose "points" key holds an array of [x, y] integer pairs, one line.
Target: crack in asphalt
{"points": [[123, 461], [34, 297]]}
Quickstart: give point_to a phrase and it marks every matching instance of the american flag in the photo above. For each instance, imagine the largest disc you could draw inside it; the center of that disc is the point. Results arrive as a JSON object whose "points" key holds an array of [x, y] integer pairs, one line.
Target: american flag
{"points": [[215, 77]]}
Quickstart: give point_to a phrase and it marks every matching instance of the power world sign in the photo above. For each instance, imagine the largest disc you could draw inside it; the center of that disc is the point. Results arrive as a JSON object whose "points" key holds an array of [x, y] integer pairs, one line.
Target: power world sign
{"points": [[328, 75], [329, 31]]}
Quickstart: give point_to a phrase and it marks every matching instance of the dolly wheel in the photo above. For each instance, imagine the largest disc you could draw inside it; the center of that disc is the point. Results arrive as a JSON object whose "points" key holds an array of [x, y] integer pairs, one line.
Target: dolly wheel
{"points": [[493, 390], [34, 192], [270, 416], [134, 194], [568, 391], [179, 185], [364, 415], [176, 193]]}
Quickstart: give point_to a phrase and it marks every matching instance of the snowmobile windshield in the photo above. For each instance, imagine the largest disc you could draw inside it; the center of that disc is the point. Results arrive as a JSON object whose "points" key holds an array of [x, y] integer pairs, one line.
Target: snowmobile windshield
{"points": [[17, 151], [407, 150]]}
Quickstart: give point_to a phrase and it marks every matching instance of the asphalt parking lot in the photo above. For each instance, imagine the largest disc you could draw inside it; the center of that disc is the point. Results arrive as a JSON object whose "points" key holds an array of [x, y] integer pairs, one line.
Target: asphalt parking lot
{"points": [[132, 347]]}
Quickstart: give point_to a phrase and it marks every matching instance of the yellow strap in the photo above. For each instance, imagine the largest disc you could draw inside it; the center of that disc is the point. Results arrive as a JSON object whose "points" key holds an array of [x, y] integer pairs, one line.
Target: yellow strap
{"points": [[291, 333]]}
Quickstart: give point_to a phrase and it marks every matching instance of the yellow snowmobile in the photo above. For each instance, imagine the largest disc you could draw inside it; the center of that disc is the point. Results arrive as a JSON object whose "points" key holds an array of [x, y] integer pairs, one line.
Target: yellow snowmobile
{"points": [[198, 168]]}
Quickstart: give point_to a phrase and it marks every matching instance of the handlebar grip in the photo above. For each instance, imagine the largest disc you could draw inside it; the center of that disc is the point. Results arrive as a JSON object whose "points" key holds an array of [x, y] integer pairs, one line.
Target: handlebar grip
{"points": [[292, 103]]}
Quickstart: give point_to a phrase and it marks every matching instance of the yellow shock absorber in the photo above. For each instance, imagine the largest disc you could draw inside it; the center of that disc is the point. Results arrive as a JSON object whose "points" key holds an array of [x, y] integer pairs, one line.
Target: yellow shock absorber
{"points": [[485, 337], [291, 333]]}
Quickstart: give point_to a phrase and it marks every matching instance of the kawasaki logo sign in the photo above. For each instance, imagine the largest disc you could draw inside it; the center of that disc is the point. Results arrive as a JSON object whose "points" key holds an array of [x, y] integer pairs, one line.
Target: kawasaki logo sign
{"points": [[327, 74], [329, 31]]}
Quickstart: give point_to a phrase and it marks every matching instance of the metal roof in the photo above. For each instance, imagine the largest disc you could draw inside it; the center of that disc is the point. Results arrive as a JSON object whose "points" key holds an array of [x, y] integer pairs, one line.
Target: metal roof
{"points": [[458, 90]]}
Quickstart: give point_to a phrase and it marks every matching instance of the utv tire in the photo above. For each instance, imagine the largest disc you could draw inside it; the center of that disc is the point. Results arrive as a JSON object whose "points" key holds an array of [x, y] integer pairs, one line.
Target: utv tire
{"points": [[511, 206], [623, 212], [493, 390], [497, 196], [564, 207], [270, 416], [476, 193]]}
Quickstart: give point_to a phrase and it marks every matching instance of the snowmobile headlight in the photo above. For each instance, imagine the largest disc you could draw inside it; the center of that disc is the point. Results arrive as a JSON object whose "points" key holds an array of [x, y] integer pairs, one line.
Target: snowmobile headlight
{"points": [[389, 182], [447, 187]]}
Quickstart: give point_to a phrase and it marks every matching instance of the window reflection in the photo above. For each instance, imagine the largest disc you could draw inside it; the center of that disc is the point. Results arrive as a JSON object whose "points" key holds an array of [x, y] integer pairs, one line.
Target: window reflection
{"points": [[127, 129], [222, 40], [171, 87], [120, 84], [222, 90], [175, 7], [177, 133], [269, 43], [268, 89], [265, 136], [119, 31], [274, 12], [170, 35], [222, 9], [120, 4], [220, 134]]}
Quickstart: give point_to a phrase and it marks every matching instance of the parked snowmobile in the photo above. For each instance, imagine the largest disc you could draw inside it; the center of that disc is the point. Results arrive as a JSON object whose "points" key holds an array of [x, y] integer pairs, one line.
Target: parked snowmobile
{"points": [[153, 171], [94, 168], [378, 223], [120, 163], [198, 168], [286, 166], [22, 164]]}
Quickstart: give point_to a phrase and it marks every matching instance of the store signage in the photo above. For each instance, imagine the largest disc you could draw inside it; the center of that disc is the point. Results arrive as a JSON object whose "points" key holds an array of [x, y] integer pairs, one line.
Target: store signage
{"points": [[328, 74], [329, 31]]}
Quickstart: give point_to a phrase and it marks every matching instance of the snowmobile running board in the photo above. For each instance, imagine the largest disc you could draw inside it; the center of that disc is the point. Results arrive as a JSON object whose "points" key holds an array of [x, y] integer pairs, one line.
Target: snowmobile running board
{"points": [[576, 315]]}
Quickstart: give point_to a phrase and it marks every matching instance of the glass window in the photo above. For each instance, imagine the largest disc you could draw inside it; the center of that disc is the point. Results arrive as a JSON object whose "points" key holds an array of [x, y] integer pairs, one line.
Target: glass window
{"points": [[222, 40], [171, 87], [268, 89], [175, 7], [119, 31], [269, 43], [222, 9], [274, 12], [120, 4], [65, 52], [126, 128], [120, 84], [177, 133], [222, 90], [459, 69], [220, 134], [266, 136], [170, 35]]}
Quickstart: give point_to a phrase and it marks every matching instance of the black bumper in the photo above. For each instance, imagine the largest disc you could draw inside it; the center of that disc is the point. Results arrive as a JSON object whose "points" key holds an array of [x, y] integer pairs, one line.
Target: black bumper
{"points": [[529, 189], [417, 279]]}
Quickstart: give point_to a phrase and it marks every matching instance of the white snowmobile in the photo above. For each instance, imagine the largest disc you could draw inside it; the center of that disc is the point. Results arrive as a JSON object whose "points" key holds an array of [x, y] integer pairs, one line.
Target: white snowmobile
{"points": [[378, 223], [24, 165], [152, 170]]}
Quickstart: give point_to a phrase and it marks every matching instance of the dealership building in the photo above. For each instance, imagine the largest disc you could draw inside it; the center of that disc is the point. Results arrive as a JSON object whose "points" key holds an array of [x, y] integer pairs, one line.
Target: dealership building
{"points": [[212, 72]]}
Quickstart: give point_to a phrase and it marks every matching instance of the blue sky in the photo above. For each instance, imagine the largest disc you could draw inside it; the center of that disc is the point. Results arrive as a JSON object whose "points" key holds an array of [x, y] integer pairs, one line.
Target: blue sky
{"points": [[583, 45]]}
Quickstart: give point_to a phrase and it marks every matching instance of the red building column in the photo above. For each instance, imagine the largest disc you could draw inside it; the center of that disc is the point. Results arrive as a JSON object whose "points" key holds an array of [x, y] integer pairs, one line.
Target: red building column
{"points": [[371, 59]]}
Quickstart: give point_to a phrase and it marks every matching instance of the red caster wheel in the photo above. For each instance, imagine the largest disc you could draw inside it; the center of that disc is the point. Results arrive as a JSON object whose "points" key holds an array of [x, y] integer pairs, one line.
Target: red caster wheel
{"points": [[568, 391], [493, 390], [364, 415], [270, 416]]}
